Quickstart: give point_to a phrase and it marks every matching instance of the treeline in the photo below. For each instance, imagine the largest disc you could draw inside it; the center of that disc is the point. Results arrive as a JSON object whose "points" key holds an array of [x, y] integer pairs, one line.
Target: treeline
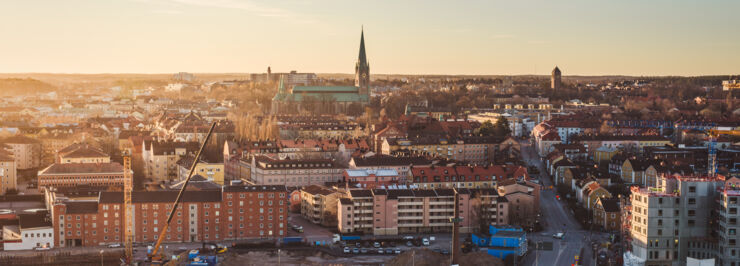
{"points": [[12, 86]]}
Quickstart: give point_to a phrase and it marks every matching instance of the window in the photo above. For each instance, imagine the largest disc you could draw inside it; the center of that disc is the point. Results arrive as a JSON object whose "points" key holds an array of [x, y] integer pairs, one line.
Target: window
{"points": [[692, 189]]}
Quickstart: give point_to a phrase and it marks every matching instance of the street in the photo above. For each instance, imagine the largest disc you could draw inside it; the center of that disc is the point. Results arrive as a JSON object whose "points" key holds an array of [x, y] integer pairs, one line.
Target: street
{"points": [[557, 218]]}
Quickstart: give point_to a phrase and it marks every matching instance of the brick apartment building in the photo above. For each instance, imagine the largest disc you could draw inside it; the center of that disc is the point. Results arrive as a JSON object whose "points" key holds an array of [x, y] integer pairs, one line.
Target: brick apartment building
{"points": [[465, 176], [231, 213]]}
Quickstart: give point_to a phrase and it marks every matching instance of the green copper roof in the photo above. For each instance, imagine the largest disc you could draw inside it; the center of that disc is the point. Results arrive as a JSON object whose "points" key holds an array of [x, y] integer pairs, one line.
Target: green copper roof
{"points": [[299, 89], [338, 97]]}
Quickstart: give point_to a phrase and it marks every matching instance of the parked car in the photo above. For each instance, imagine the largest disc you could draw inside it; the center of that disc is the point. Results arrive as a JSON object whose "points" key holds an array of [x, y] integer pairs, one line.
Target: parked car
{"points": [[445, 252], [397, 251], [356, 250], [347, 250], [438, 250], [408, 238], [41, 248], [363, 250], [408, 243], [558, 235], [114, 246], [425, 241], [358, 244], [392, 244], [376, 245], [380, 251]]}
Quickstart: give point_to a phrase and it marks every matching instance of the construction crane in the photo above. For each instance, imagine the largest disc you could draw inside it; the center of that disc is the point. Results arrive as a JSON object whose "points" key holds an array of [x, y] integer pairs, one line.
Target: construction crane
{"points": [[128, 186], [154, 257], [712, 130]]}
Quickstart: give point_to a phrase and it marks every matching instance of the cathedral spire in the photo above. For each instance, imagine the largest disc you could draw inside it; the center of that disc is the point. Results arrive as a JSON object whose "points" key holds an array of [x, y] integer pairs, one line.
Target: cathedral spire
{"points": [[281, 86], [362, 58]]}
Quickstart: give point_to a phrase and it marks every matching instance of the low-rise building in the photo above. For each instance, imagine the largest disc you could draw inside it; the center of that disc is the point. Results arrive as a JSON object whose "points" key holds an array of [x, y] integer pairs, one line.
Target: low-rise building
{"points": [[98, 175], [32, 231], [160, 158], [371, 178], [607, 214], [212, 171], [82, 153]]}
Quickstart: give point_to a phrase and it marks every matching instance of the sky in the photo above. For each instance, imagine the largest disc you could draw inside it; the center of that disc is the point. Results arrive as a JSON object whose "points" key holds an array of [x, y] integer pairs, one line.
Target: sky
{"points": [[488, 37]]}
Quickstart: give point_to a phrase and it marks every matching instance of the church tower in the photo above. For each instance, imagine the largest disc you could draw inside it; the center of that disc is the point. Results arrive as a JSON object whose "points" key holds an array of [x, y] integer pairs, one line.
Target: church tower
{"points": [[362, 69], [555, 79]]}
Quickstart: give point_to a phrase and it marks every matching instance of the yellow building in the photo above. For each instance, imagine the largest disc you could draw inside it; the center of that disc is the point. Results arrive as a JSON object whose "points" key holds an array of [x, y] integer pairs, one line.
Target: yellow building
{"points": [[213, 172], [604, 154]]}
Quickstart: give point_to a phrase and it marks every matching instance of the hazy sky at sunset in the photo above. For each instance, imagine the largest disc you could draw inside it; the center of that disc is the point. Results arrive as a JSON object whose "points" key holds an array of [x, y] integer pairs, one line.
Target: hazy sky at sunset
{"points": [[583, 37]]}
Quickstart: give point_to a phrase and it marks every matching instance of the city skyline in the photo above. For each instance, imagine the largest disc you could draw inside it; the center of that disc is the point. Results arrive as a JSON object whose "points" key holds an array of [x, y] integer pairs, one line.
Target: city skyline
{"points": [[492, 38]]}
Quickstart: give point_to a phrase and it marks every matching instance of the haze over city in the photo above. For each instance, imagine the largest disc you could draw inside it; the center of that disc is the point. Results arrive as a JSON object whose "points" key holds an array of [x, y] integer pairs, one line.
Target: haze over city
{"points": [[398, 133], [641, 38]]}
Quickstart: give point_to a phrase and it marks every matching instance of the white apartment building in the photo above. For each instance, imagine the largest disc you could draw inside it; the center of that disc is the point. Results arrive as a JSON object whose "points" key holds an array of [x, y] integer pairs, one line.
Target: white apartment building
{"points": [[674, 220], [297, 173]]}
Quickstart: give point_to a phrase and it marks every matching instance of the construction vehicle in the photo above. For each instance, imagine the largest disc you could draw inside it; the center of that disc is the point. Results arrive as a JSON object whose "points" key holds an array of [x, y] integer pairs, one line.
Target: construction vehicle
{"points": [[155, 257]]}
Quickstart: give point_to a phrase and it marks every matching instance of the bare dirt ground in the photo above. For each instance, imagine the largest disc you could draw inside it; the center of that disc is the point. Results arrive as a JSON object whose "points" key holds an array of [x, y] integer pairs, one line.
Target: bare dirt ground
{"points": [[298, 258], [425, 257]]}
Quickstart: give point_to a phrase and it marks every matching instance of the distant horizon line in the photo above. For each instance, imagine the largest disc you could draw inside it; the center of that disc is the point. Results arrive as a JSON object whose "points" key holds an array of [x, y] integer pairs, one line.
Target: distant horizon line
{"points": [[339, 73]]}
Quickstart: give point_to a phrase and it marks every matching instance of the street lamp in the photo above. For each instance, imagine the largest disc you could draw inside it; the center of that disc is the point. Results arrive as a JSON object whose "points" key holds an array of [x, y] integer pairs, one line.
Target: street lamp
{"points": [[101, 257]]}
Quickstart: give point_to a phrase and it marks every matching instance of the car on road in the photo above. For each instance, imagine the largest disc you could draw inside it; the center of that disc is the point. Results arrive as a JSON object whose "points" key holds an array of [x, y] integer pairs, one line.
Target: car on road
{"points": [[356, 250], [114, 246], [298, 229], [425, 241], [376, 245], [347, 250], [558, 235], [408, 243], [41, 248], [408, 238]]}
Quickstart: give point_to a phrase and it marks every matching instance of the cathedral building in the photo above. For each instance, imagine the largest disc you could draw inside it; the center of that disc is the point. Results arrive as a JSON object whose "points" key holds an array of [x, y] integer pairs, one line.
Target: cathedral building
{"points": [[327, 99]]}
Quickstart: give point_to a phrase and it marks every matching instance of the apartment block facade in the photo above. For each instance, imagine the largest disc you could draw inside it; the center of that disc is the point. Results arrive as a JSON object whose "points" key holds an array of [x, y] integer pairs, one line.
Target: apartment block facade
{"points": [[675, 220], [26, 151], [404, 211], [230, 213], [299, 172]]}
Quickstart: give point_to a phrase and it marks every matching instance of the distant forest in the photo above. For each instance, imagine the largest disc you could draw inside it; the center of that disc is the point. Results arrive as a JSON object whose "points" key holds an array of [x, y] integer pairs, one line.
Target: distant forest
{"points": [[15, 86]]}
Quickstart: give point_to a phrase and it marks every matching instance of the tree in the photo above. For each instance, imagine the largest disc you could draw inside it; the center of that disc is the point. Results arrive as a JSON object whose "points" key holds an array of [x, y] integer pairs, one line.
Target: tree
{"points": [[501, 127], [606, 128], [486, 129]]}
